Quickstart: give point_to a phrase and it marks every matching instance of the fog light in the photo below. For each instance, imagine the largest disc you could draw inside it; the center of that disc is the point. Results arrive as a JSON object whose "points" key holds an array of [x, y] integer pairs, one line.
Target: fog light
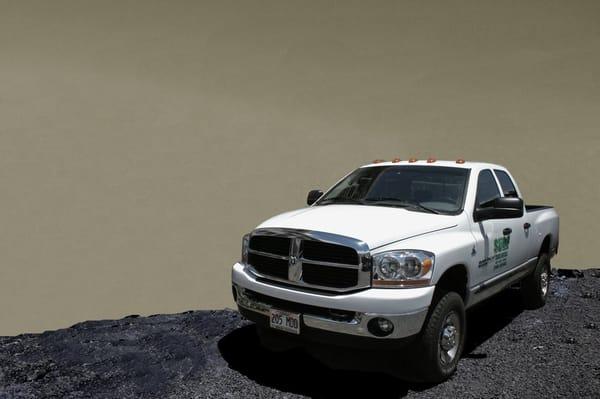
{"points": [[380, 327], [385, 325]]}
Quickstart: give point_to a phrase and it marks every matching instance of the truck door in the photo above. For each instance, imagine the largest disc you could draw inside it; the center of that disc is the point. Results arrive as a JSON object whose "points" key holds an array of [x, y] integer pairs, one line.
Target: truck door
{"points": [[516, 230], [489, 239]]}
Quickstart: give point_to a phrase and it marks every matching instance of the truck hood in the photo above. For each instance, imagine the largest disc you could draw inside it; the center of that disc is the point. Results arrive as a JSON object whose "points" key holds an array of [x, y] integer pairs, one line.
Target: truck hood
{"points": [[374, 225]]}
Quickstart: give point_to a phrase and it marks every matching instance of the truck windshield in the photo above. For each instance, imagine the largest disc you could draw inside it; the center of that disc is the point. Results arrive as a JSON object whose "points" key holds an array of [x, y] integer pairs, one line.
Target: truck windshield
{"points": [[432, 189]]}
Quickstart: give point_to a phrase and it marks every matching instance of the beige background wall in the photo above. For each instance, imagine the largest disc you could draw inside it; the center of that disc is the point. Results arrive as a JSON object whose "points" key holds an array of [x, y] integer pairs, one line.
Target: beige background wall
{"points": [[140, 140]]}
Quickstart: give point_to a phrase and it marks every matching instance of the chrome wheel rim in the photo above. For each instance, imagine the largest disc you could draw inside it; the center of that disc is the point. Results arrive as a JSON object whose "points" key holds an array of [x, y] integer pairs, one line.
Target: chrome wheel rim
{"points": [[544, 282], [449, 338]]}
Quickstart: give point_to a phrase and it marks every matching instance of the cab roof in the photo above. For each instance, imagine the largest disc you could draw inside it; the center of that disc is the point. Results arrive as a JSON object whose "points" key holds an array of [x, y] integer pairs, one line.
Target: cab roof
{"points": [[425, 162]]}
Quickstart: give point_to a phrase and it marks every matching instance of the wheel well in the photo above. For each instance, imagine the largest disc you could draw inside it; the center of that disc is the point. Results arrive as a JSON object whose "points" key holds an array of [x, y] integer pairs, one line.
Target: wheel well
{"points": [[545, 248], [454, 279]]}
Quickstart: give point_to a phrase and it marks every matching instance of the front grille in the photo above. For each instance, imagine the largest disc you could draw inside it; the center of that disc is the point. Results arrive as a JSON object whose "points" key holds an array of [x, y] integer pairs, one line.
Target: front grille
{"points": [[269, 266], [271, 244], [315, 264], [282, 304], [326, 252], [329, 276]]}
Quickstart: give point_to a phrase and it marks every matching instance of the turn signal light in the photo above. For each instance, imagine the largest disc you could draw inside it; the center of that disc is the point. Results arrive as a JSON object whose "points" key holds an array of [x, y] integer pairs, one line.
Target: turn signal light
{"points": [[427, 263], [413, 160]]}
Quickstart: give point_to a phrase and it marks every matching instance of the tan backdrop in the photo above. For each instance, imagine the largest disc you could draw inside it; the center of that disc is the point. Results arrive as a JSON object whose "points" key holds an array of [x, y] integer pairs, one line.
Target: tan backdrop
{"points": [[140, 140]]}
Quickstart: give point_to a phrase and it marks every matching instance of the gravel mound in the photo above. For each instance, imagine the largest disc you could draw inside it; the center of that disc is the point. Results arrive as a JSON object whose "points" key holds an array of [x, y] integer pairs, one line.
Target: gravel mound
{"points": [[550, 352]]}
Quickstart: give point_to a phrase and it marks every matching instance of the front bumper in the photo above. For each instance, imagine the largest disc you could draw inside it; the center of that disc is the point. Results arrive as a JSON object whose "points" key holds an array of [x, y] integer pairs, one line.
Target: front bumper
{"points": [[406, 308]]}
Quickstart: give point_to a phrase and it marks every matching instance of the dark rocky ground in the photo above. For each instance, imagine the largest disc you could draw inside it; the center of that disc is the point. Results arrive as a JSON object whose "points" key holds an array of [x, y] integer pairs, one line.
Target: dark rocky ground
{"points": [[551, 352]]}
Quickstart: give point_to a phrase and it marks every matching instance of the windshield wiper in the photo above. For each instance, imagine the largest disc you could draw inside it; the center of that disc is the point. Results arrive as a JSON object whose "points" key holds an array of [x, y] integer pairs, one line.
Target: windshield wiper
{"points": [[403, 204], [426, 208], [341, 200]]}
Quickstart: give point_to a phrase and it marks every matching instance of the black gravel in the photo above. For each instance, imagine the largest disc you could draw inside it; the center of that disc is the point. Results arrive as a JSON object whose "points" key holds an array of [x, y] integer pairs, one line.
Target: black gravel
{"points": [[551, 352]]}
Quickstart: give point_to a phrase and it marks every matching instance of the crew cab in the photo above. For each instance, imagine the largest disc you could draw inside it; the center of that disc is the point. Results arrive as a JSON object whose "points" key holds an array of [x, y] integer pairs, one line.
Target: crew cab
{"points": [[390, 258]]}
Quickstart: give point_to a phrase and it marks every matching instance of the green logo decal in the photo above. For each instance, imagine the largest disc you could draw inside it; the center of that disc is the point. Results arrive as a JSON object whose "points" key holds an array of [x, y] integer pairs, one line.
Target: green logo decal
{"points": [[501, 244], [501, 251]]}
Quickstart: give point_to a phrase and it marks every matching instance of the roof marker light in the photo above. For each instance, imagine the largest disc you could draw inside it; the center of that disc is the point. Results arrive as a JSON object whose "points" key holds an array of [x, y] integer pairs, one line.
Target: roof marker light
{"points": [[460, 160], [379, 161], [396, 160], [431, 160], [413, 160]]}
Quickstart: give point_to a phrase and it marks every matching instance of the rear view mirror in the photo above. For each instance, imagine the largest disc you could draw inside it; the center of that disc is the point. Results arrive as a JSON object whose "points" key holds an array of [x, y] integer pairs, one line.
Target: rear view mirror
{"points": [[313, 196], [500, 208]]}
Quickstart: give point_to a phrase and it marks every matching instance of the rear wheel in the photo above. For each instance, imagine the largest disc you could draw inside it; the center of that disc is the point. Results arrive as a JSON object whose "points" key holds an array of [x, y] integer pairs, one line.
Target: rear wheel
{"points": [[535, 287], [441, 342]]}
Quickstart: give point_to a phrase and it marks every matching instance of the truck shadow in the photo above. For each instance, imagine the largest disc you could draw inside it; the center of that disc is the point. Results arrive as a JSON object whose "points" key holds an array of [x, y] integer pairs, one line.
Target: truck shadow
{"points": [[297, 372]]}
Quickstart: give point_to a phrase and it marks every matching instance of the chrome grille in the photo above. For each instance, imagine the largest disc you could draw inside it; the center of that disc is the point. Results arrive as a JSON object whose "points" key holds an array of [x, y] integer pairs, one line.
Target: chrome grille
{"points": [[310, 259], [323, 251], [329, 276], [271, 244], [269, 266]]}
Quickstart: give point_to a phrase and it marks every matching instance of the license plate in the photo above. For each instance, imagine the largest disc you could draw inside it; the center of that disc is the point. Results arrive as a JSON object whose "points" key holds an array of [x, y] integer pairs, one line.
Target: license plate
{"points": [[285, 321]]}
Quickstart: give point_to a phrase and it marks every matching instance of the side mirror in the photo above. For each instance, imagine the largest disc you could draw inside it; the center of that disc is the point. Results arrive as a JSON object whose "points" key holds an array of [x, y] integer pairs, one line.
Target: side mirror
{"points": [[500, 208], [313, 196]]}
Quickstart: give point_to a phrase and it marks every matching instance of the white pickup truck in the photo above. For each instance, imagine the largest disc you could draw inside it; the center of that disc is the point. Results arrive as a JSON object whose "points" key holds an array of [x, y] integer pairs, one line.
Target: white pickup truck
{"points": [[392, 255]]}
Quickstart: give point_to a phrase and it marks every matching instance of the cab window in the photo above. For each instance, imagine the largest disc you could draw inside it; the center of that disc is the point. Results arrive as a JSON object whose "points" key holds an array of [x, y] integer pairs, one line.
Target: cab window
{"points": [[508, 188], [487, 189]]}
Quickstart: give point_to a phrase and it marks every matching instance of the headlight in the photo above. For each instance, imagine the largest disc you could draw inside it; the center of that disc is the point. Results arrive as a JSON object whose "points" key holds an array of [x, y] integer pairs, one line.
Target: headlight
{"points": [[402, 268], [245, 245]]}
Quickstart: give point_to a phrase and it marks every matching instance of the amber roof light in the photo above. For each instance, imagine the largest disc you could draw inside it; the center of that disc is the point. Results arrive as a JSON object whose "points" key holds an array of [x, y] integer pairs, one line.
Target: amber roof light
{"points": [[379, 161], [431, 160], [460, 160], [396, 160], [413, 160]]}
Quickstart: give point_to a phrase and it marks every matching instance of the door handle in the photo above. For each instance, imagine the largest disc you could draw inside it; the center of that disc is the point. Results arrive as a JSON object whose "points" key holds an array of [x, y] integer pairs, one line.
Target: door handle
{"points": [[507, 231], [526, 226]]}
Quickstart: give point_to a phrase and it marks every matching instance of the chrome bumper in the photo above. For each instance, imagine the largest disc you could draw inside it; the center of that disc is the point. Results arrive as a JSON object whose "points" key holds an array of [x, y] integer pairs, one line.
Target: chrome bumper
{"points": [[405, 308]]}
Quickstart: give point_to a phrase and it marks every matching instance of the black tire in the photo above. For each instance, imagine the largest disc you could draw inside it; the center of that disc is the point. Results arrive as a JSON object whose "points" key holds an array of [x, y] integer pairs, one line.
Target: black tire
{"points": [[427, 354], [532, 287]]}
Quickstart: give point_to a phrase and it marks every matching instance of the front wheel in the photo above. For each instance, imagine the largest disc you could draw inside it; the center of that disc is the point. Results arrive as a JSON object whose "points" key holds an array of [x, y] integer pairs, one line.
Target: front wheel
{"points": [[441, 342], [535, 287]]}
